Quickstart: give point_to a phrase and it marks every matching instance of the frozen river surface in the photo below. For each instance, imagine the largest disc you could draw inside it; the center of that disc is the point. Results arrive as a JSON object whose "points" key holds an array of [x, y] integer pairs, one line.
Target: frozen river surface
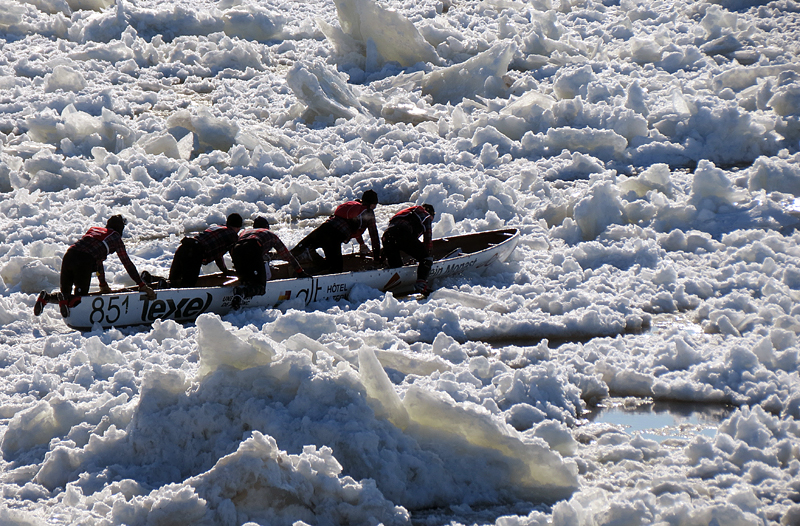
{"points": [[647, 151]]}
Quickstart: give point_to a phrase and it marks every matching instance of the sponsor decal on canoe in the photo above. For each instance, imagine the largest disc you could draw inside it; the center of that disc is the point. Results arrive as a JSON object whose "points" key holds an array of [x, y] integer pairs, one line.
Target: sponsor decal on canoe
{"points": [[393, 282], [335, 289], [453, 268], [309, 293], [316, 291], [189, 308], [108, 312]]}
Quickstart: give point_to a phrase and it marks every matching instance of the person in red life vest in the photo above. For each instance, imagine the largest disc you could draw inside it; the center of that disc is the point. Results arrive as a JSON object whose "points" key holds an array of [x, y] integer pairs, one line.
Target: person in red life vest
{"points": [[403, 233], [250, 254], [349, 221], [201, 249], [85, 257]]}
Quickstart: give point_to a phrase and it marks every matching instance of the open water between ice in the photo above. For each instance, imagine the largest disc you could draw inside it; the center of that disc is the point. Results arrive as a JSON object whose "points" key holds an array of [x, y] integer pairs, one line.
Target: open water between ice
{"points": [[667, 422], [661, 421]]}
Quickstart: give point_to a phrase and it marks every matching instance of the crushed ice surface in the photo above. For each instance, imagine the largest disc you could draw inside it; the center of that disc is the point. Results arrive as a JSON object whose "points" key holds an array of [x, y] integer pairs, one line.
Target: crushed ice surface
{"points": [[647, 151]]}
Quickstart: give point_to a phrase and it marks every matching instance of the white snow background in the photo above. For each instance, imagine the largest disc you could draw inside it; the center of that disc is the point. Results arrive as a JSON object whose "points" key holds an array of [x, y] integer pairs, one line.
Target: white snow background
{"points": [[647, 150]]}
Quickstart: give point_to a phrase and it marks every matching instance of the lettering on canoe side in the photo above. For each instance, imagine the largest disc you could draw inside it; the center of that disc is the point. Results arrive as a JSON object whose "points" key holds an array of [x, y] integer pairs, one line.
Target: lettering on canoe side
{"points": [[186, 308], [336, 288], [309, 294], [453, 268]]}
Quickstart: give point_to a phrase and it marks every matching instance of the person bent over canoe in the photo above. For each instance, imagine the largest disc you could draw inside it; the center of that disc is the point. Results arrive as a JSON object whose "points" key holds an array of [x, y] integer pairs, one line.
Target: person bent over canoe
{"points": [[85, 257], [349, 221], [403, 233], [251, 257], [201, 249]]}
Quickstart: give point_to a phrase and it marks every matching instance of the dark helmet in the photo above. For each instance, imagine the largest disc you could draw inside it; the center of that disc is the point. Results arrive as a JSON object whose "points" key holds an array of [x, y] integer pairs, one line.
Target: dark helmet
{"points": [[369, 197], [260, 222], [234, 221], [429, 208], [117, 223]]}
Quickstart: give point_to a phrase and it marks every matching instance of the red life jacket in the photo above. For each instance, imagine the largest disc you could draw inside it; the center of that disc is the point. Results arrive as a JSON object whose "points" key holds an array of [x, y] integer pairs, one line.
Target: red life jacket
{"points": [[99, 234], [416, 217], [349, 210], [412, 211], [262, 236], [352, 212]]}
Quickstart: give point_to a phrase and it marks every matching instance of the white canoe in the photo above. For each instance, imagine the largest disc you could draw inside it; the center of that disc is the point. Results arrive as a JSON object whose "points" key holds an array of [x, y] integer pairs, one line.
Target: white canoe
{"points": [[214, 293]]}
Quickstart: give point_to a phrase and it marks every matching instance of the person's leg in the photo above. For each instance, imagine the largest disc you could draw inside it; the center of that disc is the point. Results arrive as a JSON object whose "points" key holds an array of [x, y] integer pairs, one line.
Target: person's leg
{"points": [[310, 243], [391, 247], [76, 271], [186, 265], [239, 261], [177, 268], [248, 261], [68, 268], [424, 269], [76, 277], [260, 280], [416, 249], [193, 266], [41, 301], [83, 280], [243, 271], [333, 255], [329, 239], [314, 240]]}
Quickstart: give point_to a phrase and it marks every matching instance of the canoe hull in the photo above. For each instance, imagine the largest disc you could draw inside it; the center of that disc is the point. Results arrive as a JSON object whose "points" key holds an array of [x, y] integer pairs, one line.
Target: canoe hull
{"points": [[130, 307]]}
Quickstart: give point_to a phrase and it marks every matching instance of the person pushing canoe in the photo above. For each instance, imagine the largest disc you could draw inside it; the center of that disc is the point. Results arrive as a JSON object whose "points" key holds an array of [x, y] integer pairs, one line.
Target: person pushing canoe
{"points": [[349, 221], [85, 257], [252, 251], [403, 233], [201, 249]]}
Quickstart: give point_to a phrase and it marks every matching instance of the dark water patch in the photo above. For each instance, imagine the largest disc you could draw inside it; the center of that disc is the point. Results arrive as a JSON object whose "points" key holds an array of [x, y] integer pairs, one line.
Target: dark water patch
{"points": [[674, 322], [661, 420], [473, 515], [555, 340]]}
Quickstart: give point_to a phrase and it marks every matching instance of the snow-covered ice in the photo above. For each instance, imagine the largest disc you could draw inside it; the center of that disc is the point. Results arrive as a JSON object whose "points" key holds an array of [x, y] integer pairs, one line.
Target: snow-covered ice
{"points": [[649, 153]]}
